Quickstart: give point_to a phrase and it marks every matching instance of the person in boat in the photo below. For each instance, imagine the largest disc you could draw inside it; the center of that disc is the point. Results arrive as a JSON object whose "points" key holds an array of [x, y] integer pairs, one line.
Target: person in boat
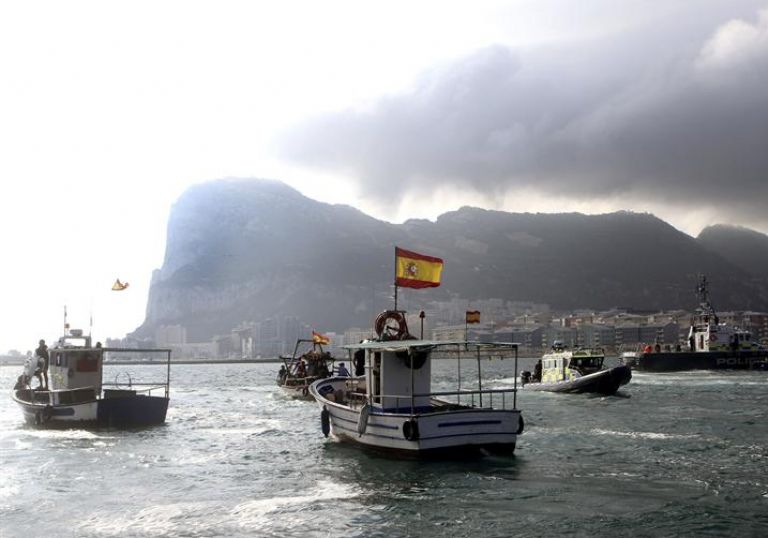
{"points": [[282, 373], [359, 361], [301, 369], [343, 372], [322, 368], [537, 371], [22, 382], [42, 371]]}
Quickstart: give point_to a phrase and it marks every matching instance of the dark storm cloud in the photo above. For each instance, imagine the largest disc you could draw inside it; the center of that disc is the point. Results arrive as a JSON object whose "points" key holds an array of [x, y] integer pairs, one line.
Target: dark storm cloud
{"points": [[669, 112]]}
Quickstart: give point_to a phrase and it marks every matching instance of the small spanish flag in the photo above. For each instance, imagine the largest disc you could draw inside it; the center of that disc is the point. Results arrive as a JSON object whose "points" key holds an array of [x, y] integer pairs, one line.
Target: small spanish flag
{"points": [[119, 286], [473, 316], [321, 339], [413, 270]]}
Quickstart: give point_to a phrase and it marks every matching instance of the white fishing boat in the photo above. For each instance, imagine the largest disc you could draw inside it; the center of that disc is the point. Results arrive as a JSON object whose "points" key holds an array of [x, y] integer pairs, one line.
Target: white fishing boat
{"points": [[394, 407], [77, 395]]}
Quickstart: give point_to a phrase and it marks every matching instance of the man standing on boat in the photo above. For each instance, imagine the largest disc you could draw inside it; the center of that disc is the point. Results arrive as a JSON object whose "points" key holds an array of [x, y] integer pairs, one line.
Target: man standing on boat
{"points": [[42, 372]]}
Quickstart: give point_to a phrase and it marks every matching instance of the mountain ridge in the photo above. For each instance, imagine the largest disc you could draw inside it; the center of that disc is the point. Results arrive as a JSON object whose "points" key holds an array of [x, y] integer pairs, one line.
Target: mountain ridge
{"points": [[243, 250]]}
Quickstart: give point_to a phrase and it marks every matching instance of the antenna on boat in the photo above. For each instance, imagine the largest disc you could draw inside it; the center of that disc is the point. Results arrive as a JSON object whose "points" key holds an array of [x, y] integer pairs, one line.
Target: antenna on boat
{"points": [[66, 325]]}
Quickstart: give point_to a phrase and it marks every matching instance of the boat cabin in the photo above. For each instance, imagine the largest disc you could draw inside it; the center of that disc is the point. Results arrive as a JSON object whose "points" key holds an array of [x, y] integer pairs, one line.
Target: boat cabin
{"points": [[75, 364], [399, 375], [565, 365]]}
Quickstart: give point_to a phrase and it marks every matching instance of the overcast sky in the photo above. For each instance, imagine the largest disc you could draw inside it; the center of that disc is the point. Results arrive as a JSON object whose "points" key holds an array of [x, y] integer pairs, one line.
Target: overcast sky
{"points": [[108, 111]]}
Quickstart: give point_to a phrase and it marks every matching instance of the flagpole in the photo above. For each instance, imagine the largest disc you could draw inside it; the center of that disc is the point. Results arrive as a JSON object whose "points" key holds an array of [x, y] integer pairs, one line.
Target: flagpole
{"points": [[395, 278]]}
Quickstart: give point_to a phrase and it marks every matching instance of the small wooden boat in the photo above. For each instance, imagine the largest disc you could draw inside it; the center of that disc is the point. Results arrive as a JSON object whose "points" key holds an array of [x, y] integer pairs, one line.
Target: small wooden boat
{"points": [[393, 407], [579, 370], [78, 397], [299, 371]]}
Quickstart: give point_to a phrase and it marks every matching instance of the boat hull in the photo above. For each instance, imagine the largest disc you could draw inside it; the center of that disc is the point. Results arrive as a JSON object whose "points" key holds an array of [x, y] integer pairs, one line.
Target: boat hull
{"points": [[297, 392], [697, 360], [447, 432], [129, 411], [605, 382]]}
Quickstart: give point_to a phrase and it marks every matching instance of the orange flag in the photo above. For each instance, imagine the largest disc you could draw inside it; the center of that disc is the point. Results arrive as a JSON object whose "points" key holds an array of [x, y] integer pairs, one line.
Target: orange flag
{"points": [[321, 339], [119, 286]]}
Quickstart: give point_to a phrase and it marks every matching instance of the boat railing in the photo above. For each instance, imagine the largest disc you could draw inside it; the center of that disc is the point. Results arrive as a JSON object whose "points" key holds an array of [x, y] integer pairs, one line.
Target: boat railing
{"points": [[464, 398], [136, 388], [148, 387]]}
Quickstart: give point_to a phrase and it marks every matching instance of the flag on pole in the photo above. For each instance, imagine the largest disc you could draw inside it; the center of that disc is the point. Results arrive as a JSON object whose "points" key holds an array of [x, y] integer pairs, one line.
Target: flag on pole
{"points": [[321, 339], [414, 270], [119, 286], [473, 316]]}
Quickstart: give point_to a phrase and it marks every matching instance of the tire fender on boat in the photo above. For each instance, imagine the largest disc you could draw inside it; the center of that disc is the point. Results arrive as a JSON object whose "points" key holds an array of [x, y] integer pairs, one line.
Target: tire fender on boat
{"points": [[325, 421], [304, 391], [411, 430], [47, 413], [362, 420], [520, 425]]}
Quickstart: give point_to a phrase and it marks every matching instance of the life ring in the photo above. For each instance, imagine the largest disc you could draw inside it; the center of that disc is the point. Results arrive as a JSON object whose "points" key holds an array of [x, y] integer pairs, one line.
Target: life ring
{"points": [[325, 421], [391, 331], [520, 425], [362, 420], [411, 430]]}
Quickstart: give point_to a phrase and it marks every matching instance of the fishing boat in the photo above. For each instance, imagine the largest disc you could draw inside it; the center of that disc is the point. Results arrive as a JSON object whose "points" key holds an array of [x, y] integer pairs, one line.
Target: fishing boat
{"points": [[711, 345], [300, 370], [575, 371], [395, 408], [78, 396]]}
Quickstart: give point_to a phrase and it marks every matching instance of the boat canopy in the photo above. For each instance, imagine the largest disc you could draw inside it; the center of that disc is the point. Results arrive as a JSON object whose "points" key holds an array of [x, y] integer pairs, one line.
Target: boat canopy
{"points": [[396, 346]]}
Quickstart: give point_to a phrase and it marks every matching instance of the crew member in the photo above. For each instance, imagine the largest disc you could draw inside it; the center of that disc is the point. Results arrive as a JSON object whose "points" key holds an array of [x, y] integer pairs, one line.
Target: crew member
{"points": [[42, 372]]}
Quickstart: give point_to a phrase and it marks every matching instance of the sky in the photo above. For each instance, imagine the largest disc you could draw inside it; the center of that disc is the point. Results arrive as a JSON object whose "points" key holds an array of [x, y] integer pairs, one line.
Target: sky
{"points": [[110, 110]]}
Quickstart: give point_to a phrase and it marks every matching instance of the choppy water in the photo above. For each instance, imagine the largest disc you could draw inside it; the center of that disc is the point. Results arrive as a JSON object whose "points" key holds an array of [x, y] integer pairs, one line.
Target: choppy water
{"points": [[673, 455]]}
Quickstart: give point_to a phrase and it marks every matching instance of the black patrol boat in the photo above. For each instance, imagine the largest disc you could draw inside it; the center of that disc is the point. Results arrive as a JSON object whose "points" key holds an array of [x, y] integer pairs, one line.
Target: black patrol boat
{"points": [[711, 345]]}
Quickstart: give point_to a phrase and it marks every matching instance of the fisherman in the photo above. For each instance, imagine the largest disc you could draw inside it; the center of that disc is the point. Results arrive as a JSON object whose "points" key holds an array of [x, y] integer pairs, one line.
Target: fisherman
{"points": [[343, 372], [301, 369], [21, 382], [42, 370], [359, 361], [537, 371], [281, 374]]}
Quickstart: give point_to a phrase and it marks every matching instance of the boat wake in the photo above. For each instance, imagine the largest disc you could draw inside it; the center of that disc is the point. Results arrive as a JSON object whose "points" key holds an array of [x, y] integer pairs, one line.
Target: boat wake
{"points": [[643, 435]]}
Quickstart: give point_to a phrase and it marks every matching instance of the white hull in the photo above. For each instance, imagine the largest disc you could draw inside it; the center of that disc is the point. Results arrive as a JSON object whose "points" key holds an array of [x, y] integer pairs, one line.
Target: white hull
{"points": [[440, 430], [59, 415]]}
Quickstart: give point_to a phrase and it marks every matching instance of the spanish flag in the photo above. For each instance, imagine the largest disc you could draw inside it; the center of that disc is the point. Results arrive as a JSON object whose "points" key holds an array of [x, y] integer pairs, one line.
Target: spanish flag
{"points": [[473, 316], [413, 270], [321, 339]]}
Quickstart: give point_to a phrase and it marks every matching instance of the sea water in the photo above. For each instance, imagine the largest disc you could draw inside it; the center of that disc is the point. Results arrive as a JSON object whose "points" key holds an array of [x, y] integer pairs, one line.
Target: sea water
{"points": [[673, 454]]}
